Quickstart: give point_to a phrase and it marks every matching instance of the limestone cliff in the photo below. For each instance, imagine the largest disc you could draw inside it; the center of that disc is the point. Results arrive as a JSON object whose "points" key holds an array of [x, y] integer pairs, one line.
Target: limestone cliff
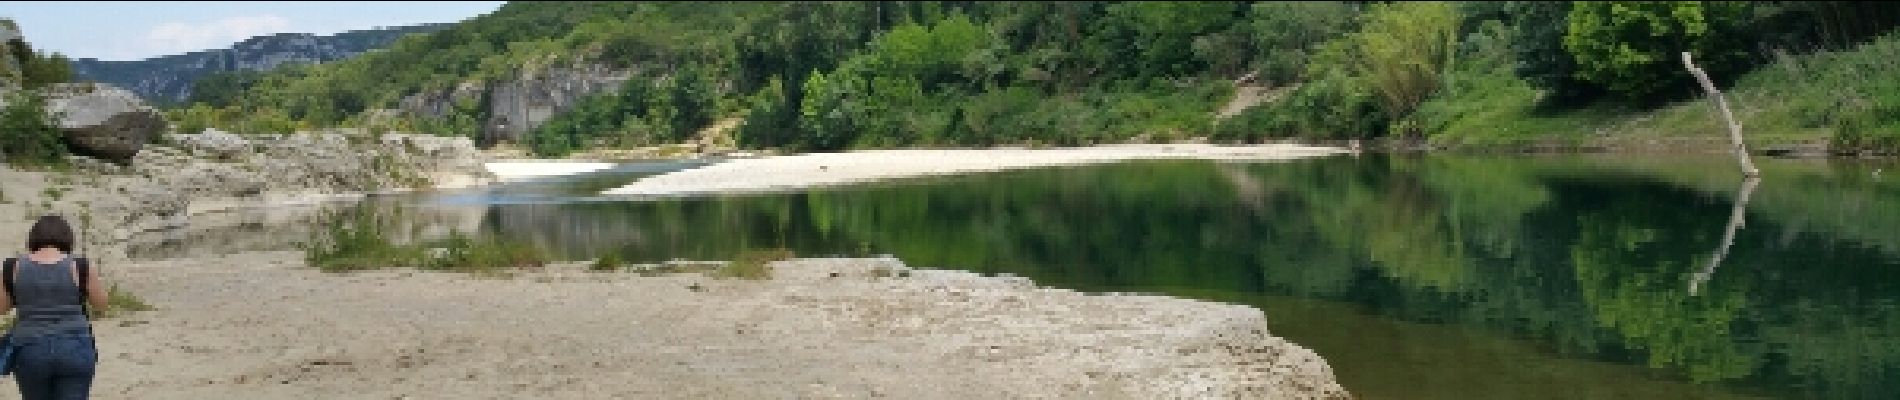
{"points": [[169, 78], [516, 106]]}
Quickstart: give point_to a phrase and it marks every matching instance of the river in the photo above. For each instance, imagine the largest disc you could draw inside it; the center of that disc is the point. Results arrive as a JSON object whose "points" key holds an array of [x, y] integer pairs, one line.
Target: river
{"points": [[1415, 276]]}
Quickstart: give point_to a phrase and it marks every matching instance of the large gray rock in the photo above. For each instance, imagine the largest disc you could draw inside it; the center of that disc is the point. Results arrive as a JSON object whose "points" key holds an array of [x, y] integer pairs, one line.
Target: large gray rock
{"points": [[103, 121]]}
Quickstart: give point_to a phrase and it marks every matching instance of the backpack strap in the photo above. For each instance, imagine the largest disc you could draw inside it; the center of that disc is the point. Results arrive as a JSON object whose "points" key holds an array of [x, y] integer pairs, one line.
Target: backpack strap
{"points": [[85, 271], [8, 270]]}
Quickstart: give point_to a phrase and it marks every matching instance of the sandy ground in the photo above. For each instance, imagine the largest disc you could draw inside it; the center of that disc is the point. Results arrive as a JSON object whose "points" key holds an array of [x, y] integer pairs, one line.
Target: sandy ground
{"points": [[824, 169], [262, 326]]}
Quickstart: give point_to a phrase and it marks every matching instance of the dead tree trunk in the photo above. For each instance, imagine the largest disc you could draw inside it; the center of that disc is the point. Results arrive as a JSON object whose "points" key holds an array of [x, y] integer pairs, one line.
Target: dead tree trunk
{"points": [[1721, 105]]}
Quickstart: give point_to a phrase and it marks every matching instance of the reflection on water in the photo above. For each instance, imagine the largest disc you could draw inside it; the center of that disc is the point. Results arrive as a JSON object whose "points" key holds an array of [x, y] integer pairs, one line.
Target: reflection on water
{"points": [[1430, 277], [1735, 221]]}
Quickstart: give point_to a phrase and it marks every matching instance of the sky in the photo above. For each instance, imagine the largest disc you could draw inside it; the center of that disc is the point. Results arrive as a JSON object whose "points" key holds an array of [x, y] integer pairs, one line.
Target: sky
{"points": [[132, 30]]}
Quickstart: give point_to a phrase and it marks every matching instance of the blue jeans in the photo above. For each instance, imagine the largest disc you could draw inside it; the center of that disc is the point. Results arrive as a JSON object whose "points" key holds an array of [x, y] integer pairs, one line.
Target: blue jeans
{"points": [[55, 368]]}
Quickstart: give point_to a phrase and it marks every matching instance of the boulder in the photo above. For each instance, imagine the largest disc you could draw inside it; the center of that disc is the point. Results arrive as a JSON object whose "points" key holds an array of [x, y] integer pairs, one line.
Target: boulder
{"points": [[103, 121]]}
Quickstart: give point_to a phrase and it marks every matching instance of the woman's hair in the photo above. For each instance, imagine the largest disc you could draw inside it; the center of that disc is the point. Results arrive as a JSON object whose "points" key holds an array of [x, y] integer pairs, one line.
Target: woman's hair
{"points": [[50, 231]]}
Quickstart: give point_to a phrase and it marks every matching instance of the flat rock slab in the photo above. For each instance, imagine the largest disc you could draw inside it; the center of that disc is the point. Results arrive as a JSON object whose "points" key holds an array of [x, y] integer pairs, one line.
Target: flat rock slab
{"points": [[262, 326]]}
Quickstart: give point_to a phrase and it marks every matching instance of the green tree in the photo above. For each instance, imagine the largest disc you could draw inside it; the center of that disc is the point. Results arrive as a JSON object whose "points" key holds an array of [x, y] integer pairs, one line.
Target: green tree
{"points": [[1287, 33], [1404, 50], [38, 69], [222, 89], [693, 95], [824, 114], [1536, 39], [1164, 33], [1634, 48], [769, 123], [27, 133]]}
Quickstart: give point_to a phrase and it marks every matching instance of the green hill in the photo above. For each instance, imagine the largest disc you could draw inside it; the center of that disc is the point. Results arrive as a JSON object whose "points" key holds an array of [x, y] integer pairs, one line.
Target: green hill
{"points": [[562, 76]]}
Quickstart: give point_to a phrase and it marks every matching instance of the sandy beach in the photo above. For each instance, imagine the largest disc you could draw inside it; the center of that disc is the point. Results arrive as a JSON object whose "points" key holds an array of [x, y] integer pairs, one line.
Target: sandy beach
{"points": [[794, 172]]}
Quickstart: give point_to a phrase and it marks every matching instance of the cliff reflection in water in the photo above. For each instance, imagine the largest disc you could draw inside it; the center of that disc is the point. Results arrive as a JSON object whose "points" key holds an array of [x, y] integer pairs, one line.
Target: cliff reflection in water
{"points": [[1573, 269]]}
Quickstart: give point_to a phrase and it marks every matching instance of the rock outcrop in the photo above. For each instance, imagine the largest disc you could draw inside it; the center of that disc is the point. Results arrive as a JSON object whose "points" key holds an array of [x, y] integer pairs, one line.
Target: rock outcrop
{"points": [[103, 121], [517, 106], [218, 172]]}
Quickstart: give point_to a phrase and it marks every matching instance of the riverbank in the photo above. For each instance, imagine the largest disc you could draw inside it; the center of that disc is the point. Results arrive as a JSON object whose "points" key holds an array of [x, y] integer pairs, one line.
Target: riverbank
{"points": [[849, 328], [830, 169]]}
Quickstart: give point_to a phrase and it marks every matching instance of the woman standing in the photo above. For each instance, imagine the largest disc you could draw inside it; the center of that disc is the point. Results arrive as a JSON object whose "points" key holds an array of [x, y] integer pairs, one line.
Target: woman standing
{"points": [[54, 353]]}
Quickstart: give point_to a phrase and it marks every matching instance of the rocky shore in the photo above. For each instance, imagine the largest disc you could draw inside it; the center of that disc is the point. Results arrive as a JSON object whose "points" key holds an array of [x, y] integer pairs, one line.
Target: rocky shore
{"points": [[164, 186]]}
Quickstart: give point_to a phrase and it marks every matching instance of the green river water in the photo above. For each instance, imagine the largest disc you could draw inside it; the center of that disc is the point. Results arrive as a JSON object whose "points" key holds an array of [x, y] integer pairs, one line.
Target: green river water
{"points": [[1416, 277]]}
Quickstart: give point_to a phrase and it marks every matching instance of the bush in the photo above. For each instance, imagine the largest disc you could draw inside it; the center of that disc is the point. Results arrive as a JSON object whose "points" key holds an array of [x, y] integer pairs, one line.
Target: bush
{"points": [[119, 302], [358, 242], [752, 264], [461, 253], [27, 133], [607, 262]]}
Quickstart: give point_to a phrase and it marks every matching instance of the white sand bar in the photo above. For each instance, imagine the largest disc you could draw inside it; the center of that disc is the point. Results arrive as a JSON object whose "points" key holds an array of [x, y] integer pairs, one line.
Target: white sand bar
{"points": [[518, 170], [824, 169]]}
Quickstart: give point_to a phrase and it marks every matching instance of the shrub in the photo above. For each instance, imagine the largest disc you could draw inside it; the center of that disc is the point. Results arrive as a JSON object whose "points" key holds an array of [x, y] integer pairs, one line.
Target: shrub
{"points": [[607, 262], [460, 253], [751, 264], [358, 242], [27, 134]]}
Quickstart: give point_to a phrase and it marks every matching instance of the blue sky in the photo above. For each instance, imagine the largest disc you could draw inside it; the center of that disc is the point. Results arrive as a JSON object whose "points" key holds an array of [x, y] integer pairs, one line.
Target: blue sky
{"points": [[131, 30]]}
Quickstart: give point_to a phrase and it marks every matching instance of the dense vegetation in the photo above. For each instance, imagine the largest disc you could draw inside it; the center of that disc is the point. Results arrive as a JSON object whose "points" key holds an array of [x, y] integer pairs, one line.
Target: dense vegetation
{"points": [[832, 75]]}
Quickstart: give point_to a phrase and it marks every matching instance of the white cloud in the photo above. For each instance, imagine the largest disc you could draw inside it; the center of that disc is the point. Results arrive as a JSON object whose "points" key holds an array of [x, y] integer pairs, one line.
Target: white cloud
{"points": [[179, 37]]}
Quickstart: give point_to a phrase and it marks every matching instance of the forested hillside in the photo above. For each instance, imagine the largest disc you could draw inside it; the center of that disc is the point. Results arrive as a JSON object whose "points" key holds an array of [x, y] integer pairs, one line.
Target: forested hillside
{"points": [[834, 75]]}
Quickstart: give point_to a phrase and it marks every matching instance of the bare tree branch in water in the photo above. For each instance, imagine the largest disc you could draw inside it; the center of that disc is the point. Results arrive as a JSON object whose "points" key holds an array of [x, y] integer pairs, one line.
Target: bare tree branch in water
{"points": [[1735, 222]]}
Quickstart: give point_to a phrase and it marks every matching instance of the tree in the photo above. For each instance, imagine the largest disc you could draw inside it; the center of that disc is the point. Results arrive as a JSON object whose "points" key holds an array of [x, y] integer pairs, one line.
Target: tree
{"points": [[1631, 48], [27, 134], [1286, 33], [1404, 49], [223, 88], [692, 100], [1164, 33], [828, 115], [1537, 43], [769, 123], [38, 69]]}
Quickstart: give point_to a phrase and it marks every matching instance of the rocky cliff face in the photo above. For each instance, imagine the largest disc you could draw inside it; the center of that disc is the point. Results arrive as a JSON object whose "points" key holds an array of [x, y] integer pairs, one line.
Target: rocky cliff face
{"points": [[169, 78], [519, 105]]}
